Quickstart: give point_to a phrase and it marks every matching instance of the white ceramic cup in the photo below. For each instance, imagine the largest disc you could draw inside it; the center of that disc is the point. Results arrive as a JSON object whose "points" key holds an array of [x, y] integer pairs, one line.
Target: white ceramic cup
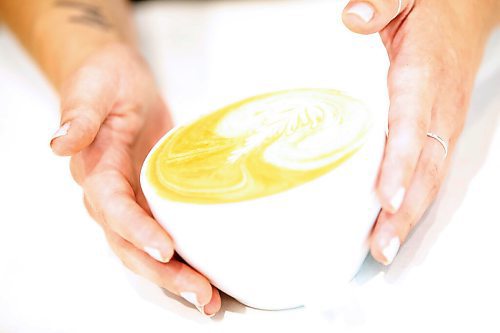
{"points": [[288, 249]]}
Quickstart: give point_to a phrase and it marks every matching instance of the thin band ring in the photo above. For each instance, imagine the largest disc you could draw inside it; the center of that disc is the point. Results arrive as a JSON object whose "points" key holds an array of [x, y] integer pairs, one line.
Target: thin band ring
{"points": [[400, 5], [442, 141]]}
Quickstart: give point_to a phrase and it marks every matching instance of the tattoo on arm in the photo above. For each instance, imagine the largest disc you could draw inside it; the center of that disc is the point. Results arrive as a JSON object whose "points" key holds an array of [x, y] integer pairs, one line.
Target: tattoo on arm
{"points": [[84, 13]]}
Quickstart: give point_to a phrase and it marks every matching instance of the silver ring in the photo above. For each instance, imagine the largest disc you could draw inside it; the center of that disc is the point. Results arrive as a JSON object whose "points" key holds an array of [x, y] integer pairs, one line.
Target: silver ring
{"points": [[399, 7], [442, 141]]}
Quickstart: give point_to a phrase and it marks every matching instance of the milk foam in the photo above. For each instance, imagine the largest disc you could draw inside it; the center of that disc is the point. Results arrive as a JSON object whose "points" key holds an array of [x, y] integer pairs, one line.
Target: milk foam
{"points": [[260, 146]]}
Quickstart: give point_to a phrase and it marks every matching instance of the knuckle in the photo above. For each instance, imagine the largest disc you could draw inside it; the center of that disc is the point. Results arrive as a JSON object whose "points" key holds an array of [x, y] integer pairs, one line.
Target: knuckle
{"points": [[163, 278], [420, 127], [143, 230], [433, 177], [404, 126], [124, 230], [407, 220], [177, 274], [406, 216], [124, 220], [88, 121], [116, 208], [402, 157], [82, 117], [424, 71]]}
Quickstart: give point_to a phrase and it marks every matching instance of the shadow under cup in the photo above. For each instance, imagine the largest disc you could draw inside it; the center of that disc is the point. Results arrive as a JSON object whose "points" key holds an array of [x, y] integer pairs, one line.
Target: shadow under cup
{"points": [[290, 231]]}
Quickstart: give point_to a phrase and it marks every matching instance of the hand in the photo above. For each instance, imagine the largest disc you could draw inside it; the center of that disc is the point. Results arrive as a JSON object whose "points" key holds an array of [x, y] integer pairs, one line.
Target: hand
{"points": [[435, 48], [112, 114]]}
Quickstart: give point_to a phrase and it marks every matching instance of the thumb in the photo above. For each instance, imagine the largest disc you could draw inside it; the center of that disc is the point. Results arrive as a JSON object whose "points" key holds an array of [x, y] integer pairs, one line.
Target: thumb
{"points": [[86, 100], [370, 16]]}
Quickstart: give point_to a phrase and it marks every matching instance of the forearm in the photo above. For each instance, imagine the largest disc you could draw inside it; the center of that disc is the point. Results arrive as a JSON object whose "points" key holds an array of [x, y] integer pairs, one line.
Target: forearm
{"points": [[60, 34]]}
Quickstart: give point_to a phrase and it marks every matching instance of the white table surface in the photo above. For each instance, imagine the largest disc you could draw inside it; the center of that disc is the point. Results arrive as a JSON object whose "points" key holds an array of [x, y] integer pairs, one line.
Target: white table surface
{"points": [[58, 275]]}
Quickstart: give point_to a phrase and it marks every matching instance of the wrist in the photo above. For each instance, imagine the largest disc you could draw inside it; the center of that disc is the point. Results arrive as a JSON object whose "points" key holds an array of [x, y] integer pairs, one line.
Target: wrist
{"points": [[64, 36]]}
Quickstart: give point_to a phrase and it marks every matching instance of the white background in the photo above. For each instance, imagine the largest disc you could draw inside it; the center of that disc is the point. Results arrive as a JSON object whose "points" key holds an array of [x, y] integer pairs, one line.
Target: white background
{"points": [[57, 273]]}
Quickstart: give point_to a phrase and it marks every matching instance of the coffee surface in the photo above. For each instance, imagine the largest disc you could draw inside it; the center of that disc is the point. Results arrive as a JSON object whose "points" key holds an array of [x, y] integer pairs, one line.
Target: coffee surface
{"points": [[260, 146]]}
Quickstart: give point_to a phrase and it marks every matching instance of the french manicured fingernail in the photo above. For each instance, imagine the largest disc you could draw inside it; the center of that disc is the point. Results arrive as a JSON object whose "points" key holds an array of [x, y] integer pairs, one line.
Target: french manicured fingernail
{"points": [[62, 131], [156, 254], [362, 10], [397, 199], [202, 311], [191, 298], [391, 249]]}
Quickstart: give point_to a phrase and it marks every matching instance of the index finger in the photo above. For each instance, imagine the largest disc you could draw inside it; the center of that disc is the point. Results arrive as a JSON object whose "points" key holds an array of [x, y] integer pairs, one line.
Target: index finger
{"points": [[114, 202], [411, 99]]}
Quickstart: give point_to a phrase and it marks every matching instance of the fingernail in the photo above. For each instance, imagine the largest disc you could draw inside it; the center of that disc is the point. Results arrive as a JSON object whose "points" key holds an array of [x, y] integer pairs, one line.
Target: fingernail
{"points": [[390, 250], [362, 10], [397, 199], [191, 298], [156, 254], [202, 311], [62, 131]]}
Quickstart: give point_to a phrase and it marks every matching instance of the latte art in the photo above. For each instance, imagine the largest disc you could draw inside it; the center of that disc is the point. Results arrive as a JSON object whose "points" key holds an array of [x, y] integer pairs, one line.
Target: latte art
{"points": [[258, 147]]}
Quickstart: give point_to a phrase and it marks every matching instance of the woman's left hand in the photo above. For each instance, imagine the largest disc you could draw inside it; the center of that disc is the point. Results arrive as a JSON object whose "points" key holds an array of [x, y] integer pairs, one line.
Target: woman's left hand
{"points": [[435, 48]]}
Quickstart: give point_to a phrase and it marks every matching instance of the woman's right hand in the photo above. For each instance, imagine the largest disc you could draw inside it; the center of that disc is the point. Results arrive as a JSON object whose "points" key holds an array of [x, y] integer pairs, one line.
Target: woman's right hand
{"points": [[435, 48], [111, 116]]}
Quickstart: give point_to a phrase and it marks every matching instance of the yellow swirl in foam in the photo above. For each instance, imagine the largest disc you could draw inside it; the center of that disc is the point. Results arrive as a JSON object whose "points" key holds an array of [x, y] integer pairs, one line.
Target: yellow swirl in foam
{"points": [[259, 146]]}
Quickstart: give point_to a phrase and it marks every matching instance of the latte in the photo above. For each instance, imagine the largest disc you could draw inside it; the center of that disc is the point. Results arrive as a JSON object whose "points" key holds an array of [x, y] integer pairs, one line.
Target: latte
{"points": [[258, 147]]}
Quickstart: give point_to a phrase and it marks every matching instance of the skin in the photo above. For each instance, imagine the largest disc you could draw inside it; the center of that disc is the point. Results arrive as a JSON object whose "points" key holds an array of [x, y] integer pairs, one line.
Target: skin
{"points": [[435, 49], [114, 113]]}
